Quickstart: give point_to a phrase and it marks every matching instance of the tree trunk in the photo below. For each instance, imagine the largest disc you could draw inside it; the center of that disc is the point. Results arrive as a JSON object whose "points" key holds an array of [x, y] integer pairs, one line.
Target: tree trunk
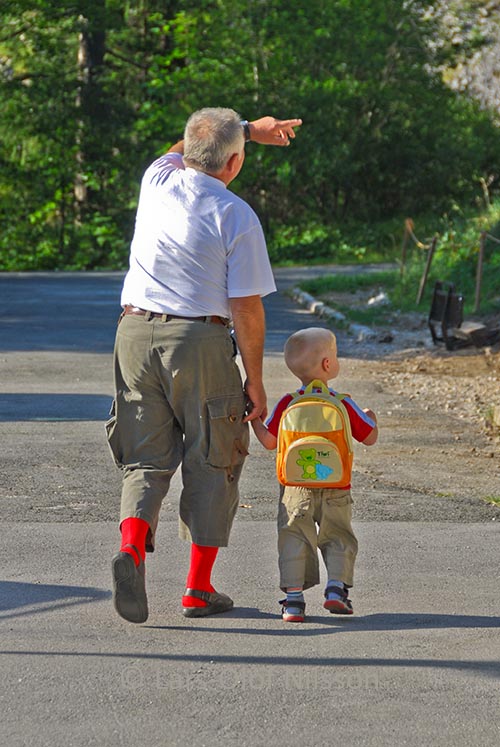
{"points": [[90, 103]]}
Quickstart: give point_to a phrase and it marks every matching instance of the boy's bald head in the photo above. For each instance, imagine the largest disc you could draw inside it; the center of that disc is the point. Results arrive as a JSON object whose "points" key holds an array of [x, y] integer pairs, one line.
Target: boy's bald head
{"points": [[305, 350]]}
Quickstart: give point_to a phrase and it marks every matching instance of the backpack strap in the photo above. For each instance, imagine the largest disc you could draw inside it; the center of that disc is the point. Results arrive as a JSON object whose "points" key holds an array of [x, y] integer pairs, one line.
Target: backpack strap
{"points": [[317, 384]]}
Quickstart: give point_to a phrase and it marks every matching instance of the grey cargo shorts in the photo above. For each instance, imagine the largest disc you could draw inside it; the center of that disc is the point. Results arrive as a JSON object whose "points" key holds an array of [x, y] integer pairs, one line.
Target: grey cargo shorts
{"points": [[179, 400]]}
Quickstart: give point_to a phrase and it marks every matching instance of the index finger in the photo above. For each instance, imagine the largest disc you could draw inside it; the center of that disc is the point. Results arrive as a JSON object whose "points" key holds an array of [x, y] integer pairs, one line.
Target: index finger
{"points": [[289, 124]]}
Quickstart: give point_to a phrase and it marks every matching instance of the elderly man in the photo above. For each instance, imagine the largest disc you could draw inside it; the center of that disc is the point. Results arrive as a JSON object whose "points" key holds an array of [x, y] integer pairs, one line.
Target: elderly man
{"points": [[198, 260]]}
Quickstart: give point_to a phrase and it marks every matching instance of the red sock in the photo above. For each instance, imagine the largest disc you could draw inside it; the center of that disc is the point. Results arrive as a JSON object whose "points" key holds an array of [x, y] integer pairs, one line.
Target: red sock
{"points": [[200, 571], [134, 532]]}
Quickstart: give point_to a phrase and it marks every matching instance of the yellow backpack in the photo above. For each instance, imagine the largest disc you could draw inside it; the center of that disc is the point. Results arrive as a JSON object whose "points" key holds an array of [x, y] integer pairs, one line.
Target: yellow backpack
{"points": [[315, 440]]}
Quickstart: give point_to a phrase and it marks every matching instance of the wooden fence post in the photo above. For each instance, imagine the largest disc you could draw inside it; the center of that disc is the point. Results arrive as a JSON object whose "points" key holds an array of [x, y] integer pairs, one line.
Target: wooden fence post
{"points": [[426, 270], [408, 230], [479, 272]]}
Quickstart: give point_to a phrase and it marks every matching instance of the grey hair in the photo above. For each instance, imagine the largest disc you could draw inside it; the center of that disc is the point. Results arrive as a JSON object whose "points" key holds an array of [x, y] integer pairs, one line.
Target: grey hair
{"points": [[211, 136]]}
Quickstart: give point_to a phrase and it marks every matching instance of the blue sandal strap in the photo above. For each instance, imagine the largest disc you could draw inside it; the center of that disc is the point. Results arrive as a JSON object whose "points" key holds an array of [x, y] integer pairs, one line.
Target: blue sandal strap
{"points": [[332, 589]]}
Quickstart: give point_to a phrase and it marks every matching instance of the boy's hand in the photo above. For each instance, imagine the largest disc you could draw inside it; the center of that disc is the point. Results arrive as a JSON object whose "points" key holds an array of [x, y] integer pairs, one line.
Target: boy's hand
{"points": [[255, 423], [266, 439]]}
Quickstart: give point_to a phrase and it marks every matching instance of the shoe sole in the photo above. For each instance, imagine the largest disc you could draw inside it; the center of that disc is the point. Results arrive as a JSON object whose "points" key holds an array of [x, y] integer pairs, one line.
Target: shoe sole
{"points": [[210, 609], [125, 598], [337, 607], [293, 618]]}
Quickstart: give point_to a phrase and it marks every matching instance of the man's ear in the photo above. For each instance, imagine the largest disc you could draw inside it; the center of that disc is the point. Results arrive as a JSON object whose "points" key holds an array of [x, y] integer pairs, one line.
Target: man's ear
{"points": [[230, 169], [232, 163]]}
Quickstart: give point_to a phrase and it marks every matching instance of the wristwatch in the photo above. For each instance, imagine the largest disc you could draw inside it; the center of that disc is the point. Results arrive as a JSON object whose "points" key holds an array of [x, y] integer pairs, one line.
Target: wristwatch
{"points": [[246, 130]]}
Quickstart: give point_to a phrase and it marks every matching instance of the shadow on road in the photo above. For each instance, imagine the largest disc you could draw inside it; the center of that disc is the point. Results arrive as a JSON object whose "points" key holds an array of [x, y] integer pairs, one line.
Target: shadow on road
{"points": [[337, 623], [15, 595], [53, 407], [487, 668]]}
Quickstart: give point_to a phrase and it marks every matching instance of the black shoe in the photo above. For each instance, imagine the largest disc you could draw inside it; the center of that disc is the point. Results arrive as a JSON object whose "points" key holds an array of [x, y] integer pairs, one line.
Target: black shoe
{"points": [[129, 588], [215, 603]]}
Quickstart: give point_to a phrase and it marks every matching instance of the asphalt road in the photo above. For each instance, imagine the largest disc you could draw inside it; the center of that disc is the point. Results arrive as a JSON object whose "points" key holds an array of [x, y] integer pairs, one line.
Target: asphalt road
{"points": [[418, 663]]}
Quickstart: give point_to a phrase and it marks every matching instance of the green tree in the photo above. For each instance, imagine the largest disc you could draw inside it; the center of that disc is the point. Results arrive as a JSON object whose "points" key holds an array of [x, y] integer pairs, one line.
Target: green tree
{"points": [[64, 136], [382, 132], [92, 90]]}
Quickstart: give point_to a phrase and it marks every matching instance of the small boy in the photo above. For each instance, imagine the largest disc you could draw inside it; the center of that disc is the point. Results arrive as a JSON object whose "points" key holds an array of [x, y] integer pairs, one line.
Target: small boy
{"points": [[312, 518]]}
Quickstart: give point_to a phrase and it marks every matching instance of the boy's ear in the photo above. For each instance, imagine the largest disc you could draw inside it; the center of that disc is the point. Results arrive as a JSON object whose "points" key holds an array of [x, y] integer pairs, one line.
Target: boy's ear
{"points": [[330, 364]]}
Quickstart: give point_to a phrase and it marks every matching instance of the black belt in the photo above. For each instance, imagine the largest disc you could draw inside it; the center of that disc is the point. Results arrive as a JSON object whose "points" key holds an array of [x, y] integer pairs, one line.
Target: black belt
{"points": [[167, 317]]}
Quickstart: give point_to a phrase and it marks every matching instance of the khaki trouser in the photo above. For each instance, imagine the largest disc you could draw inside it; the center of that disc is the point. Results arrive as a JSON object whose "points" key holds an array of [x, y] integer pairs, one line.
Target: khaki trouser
{"points": [[301, 511], [178, 401]]}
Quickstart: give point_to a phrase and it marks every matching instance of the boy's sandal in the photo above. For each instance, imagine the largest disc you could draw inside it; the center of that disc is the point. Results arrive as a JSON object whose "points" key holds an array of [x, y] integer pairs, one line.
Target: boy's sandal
{"points": [[292, 611], [340, 606], [215, 603]]}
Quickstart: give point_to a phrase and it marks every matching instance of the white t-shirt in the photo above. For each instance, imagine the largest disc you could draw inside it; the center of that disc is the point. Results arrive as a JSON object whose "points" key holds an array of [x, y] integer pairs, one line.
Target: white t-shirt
{"points": [[195, 244]]}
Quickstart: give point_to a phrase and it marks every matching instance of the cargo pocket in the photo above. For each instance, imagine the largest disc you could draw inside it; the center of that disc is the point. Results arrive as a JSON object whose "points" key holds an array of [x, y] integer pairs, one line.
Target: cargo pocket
{"points": [[338, 498], [112, 436], [296, 502], [227, 435]]}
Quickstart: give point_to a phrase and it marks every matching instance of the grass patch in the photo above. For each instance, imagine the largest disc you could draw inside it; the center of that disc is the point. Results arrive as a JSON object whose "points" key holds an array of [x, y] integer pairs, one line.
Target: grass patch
{"points": [[354, 291], [401, 290], [352, 283], [492, 500], [492, 418]]}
